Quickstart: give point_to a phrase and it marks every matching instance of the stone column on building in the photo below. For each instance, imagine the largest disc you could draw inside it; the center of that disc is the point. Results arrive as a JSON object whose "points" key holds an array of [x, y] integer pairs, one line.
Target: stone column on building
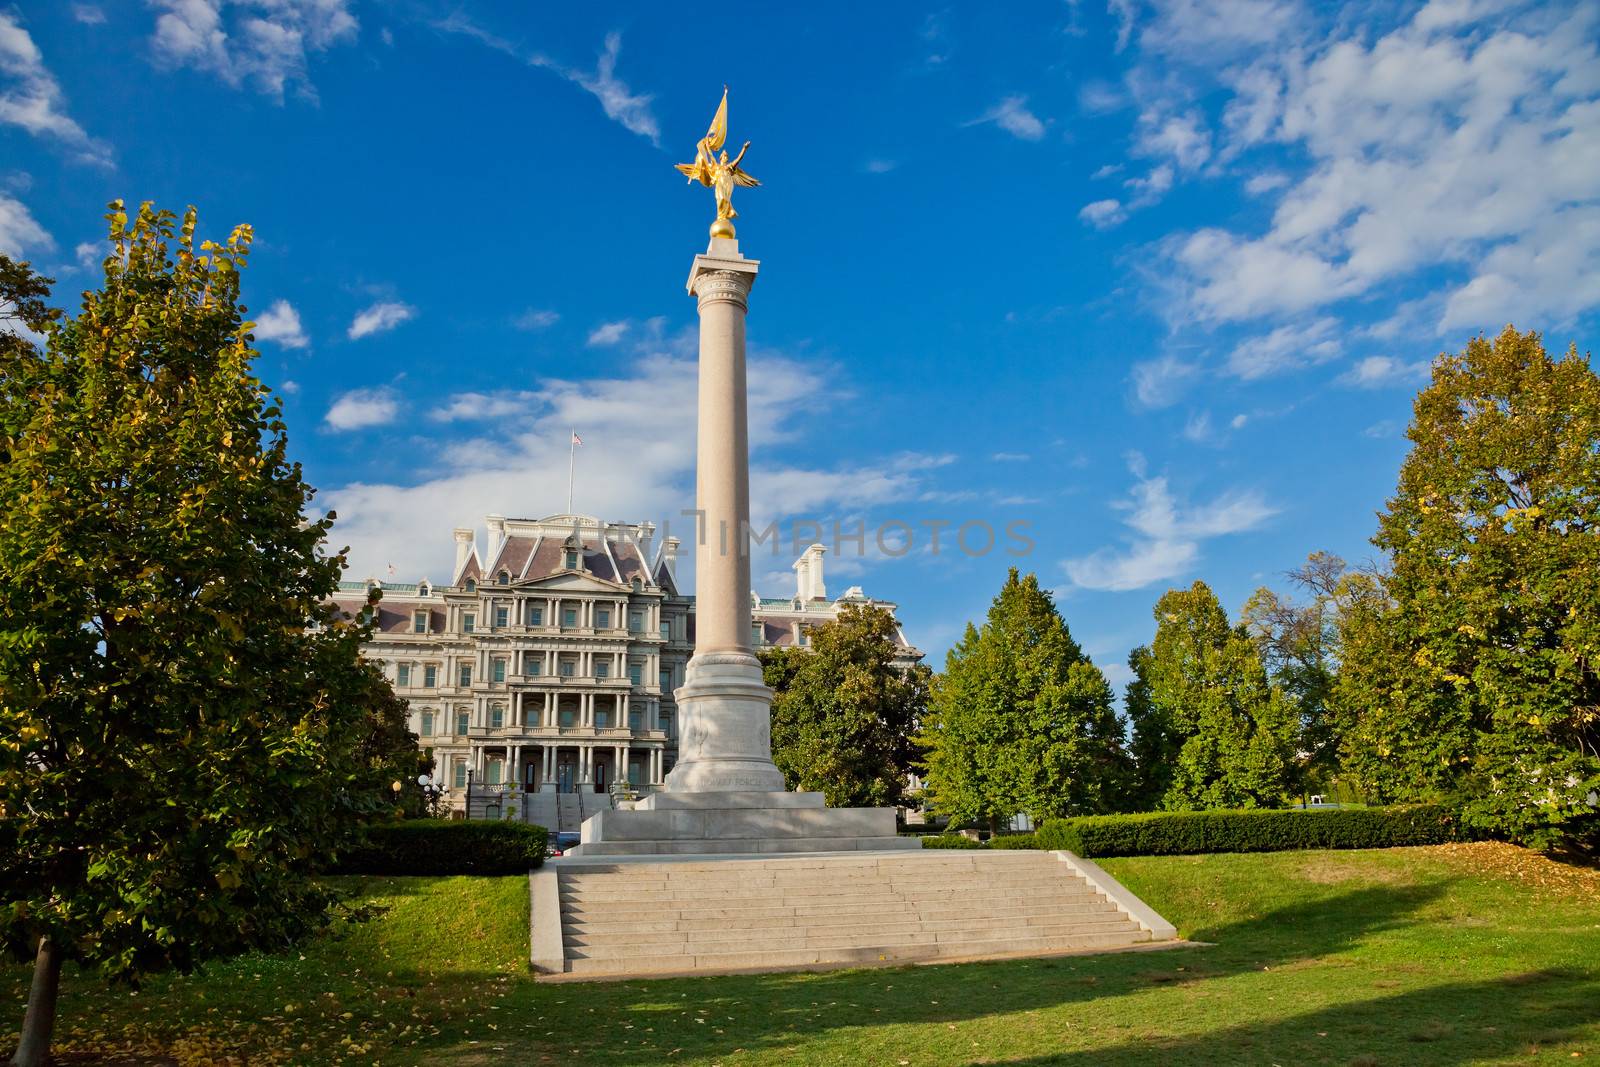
{"points": [[725, 740]]}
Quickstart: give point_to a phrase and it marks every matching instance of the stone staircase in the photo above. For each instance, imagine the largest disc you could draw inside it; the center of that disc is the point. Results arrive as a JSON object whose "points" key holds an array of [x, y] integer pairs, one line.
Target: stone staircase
{"points": [[654, 917], [569, 813], [541, 810]]}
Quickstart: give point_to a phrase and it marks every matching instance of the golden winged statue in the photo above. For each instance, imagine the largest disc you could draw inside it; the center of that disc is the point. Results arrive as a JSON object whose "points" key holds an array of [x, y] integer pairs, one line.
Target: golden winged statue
{"points": [[718, 172]]}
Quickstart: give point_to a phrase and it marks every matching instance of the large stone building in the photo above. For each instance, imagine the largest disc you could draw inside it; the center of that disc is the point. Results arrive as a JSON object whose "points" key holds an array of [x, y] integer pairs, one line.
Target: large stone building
{"points": [[549, 660]]}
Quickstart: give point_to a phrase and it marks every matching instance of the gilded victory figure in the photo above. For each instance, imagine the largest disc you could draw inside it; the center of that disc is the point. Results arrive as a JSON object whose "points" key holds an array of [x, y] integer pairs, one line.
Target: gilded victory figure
{"points": [[719, 172]]}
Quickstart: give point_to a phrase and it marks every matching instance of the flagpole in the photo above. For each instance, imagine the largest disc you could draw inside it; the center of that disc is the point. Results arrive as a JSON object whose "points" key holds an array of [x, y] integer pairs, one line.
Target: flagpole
{"points": [[572, 459]]}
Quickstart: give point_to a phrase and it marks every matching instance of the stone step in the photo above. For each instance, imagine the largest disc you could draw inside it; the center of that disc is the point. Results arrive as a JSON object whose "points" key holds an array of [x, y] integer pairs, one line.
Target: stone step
{"points": [[802, 905], [606, 934], [768, 960], [602, 893], [1061, 932], [834, 864], [801, 918]]}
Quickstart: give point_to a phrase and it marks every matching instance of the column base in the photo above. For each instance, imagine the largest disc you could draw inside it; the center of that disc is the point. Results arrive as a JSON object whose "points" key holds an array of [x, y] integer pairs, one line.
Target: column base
{"points": [[725, 728]]}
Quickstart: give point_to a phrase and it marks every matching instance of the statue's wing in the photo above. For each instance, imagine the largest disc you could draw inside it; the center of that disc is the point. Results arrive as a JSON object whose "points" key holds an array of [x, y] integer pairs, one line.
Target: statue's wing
{"points": [[718, 133], [744, 178], [695, 172]]}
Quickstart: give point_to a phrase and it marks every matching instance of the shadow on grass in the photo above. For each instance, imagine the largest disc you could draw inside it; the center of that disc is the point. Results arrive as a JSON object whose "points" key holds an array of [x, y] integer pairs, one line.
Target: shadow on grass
{"points": [[1442, 1025]]}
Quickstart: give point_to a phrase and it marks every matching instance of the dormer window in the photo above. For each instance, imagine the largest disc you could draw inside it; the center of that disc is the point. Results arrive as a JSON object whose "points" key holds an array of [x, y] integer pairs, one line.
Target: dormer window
{"points": [[638, 586], [572, 560], [472, 585], [422, 590], [503, 578]]}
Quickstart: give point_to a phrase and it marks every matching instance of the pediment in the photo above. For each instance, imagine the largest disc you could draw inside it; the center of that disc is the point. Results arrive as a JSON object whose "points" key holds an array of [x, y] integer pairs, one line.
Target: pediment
{"points": [[572, 581]]}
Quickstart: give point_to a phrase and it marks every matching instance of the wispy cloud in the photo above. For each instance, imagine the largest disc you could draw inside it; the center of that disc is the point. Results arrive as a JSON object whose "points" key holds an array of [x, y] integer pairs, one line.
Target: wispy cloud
{"points": [[361, 408], [1158, 383], [535, 319], [607, 333], [1166, 534], [31, 98], [266, 45], [1379, 372], [281, 323], [471, 407], [1286, 348], [1013, 116], [20, 232], [88, 14], [382, 316]]}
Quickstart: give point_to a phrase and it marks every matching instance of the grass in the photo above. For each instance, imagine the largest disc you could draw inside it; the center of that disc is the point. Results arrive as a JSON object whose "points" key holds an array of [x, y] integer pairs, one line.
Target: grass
{"points": [[1451, 955]]}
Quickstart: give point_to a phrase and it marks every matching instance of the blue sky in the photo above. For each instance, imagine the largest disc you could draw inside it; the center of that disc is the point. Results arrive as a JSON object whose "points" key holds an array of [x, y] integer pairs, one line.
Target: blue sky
{"points": [[1157, 279]]}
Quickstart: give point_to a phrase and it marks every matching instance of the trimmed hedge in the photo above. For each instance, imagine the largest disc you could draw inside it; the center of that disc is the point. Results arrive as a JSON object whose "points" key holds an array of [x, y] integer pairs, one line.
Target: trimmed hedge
{"points": [[439, 847], [1182, 833], [949, 841], [1015, 841]]}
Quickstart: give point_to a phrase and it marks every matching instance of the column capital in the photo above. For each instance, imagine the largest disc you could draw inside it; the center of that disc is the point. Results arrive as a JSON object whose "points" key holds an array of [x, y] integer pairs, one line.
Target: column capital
{"points": [[722, 274]]}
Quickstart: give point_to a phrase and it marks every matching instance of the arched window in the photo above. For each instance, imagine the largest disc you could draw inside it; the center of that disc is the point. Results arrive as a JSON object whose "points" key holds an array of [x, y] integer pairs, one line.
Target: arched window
{"points": [[638, 586], [422, 590], [503, 578], [472, 586]]}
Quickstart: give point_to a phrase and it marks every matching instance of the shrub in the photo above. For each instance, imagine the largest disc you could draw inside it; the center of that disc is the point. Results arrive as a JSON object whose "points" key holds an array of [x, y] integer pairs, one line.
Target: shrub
{"points": [[437, 847], [949, 841], [1015, 841], [1191, 832]]}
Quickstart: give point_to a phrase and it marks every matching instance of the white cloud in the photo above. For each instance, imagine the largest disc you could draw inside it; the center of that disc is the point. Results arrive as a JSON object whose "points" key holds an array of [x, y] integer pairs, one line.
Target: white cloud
{"points": [[607, 333], [290, 386], [619, 102], [265, 43], [1103, 214], [382, 316], [1158, 383], [1455, 148], [466, 407], [1011, 457], [1106, 171], [1013, 116], [536, 319], [1183, 138], [361, 408], [19, 230], [1214, 29], [636, 463], [1286, 348], [32, 99], [281, 323], [1166, 537], [1238, 421], [879, 166], [89, 254], [88, 14], [1378, 372]]}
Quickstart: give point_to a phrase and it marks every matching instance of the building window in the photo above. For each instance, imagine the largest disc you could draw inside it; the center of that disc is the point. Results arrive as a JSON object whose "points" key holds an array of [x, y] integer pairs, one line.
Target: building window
{"points": [[666, 631], [666, 722], [602, 619], [636, 621], [805, 636], [468, 622], [502, 617], [402, 676], [419, 622], [503, 578], [571, 560], [498, 669], [464, 676], [569, 616], [567, 668], [568, 716], [463, 720], [636, 673], [494, 771], [602, 669], [472, 586], [533, 664], [497, 716], [666, 681], [756, 633], [427, 724], [635, 719], [602, 719], [461, 774], [536, 615], [430, 676], [422, 590]]}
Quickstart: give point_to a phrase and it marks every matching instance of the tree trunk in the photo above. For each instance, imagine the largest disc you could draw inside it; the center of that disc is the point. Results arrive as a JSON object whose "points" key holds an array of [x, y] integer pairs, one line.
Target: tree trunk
{"points": [[40, 1020]]}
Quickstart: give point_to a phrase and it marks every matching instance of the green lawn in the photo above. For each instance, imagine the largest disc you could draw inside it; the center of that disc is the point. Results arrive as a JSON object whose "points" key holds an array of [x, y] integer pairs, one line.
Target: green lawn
{"points": [[1452, 955]]}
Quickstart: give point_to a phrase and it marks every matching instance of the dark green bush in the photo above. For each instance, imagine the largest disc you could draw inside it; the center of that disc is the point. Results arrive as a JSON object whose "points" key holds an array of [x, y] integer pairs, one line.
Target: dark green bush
{"points": [[1190, 832], [949, 841], [437, 847], [1015, 841]]}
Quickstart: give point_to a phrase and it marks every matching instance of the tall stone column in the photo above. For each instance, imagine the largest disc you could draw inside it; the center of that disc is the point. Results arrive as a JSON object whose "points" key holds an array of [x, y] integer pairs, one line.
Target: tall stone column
{"points": [[725, 739]]}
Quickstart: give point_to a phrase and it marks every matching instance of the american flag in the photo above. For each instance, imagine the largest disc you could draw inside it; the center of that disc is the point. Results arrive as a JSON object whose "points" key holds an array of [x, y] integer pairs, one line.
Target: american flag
{"points": [[576, 440]]}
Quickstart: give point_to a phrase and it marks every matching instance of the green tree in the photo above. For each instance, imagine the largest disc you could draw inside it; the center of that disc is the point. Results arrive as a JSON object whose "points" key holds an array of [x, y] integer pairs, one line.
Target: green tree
{"points": [[1210, 729], [1299, 645], [186, 726], [1022, 720], [1471, 663], [843, 713]]}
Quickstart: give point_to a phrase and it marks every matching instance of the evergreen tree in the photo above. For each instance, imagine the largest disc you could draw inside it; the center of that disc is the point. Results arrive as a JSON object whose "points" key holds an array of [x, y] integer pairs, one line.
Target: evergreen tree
{"points": [[1210, 729], [843, 713], [1021, 720], [186, 726], [1471, 666]]}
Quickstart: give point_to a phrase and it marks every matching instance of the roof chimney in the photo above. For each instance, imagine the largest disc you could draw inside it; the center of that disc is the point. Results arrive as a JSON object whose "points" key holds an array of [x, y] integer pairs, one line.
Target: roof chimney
{"points": [[669, 553], [463, 549], [813, 556], [497, 537]]}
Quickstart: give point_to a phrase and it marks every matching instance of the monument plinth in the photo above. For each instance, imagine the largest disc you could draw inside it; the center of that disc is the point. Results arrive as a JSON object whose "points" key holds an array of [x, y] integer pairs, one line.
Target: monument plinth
{"points": [[725, 795]]}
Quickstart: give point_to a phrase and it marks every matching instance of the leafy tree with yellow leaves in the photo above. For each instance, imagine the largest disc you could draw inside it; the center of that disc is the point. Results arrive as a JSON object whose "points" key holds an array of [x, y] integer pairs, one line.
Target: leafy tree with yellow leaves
{"points": [[187, 728]]}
